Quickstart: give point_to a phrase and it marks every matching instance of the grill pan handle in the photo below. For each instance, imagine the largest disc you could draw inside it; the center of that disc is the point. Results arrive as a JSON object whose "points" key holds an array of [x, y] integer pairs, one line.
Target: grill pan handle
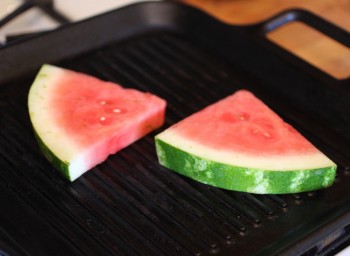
{"points": [[308, 18], [327, 28]]}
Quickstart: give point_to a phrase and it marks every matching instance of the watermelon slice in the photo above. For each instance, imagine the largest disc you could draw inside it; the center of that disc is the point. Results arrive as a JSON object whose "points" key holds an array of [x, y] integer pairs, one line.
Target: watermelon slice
{"points": [[79, 120], [240, 144]]}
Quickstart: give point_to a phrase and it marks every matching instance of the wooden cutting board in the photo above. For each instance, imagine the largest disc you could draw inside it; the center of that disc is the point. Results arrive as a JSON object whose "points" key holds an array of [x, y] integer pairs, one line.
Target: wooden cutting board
{"points": [[305, 42]]}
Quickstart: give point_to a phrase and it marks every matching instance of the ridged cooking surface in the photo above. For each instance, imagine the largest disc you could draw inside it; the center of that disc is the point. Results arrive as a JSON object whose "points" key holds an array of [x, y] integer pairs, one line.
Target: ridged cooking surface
{"points": [[130, 205]]}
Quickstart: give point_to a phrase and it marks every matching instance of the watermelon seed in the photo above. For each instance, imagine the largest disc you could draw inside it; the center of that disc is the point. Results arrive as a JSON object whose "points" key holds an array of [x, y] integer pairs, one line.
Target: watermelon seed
{"points": [[267, 135], [116, 110], [102, 118], [103, 102], [243, 116]]}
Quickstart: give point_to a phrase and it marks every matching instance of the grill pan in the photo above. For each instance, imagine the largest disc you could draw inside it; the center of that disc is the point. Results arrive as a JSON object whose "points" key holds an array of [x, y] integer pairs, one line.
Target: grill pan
{"points": [[130, 205]]}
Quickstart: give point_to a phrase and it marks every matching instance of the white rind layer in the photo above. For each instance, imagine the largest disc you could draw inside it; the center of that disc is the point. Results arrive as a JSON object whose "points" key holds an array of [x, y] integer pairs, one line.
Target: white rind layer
{"points": [[273, 162], [42, 120]]}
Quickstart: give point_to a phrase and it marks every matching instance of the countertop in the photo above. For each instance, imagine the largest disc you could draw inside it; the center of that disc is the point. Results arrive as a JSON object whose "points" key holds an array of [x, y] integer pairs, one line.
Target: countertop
{"points": [[310, 45]]}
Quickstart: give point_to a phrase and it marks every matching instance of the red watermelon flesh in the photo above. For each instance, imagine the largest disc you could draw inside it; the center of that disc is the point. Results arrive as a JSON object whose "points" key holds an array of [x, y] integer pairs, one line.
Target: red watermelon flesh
{"points": [[80, 120], [243, 123]]}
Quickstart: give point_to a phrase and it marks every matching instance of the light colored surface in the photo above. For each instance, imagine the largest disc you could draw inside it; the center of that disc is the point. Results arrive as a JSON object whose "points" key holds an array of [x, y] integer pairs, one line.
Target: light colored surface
{"points": [[35, 20], [81, 9], [7, 6], [345, 252]]}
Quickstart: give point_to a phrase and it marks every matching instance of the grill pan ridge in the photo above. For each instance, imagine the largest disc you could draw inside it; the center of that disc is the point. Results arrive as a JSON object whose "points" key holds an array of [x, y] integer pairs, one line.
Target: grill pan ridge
{"points": [[130, 205]]}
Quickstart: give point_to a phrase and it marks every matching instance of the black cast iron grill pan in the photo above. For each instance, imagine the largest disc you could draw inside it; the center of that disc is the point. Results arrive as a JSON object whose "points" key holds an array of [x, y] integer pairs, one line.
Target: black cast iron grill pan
{"points": [[130, 205]]}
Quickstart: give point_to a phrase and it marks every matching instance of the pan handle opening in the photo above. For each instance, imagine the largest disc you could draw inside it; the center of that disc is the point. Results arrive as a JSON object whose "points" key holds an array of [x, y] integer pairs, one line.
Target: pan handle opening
{"points": [[306, 35]]}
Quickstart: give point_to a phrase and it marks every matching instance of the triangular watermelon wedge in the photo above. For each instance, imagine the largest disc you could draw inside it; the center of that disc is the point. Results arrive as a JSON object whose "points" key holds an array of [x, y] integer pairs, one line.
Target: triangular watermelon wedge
{"points": [[79, 120], [240, 144]]}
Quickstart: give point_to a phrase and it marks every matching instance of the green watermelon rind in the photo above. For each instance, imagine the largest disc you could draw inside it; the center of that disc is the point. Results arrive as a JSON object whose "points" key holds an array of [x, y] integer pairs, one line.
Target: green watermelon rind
{"points": [[251, 180], [58, 164]]}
